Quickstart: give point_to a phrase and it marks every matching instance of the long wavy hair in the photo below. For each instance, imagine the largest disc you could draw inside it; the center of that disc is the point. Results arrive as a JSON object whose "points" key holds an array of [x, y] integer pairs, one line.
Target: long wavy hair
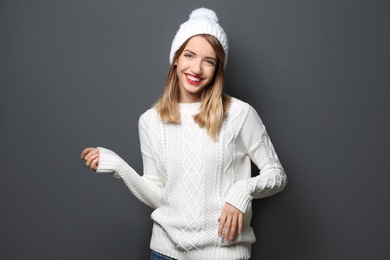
{"points": [[214, 102]]}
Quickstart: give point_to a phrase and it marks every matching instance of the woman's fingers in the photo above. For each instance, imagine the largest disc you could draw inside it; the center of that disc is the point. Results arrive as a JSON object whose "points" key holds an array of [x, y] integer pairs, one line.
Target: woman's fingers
{"points": [[91, 157], [230, 222], [226, 229], [233, 227], [221, 221], [95, 164], [240, 220], [85, 152], [88, 152]]}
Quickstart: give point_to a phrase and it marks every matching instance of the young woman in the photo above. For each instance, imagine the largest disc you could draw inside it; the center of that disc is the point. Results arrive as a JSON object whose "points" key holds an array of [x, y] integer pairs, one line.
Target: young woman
{"points": [[197, 145]]}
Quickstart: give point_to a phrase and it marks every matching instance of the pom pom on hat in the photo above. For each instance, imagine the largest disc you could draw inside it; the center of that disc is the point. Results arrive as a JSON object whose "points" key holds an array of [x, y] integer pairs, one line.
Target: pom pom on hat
{"points": [[201, 21], [204, 12]]}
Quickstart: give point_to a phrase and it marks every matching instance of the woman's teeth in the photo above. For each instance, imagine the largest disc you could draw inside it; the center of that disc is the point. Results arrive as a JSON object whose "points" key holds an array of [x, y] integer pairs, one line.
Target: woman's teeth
{"points": [[193, 78]]}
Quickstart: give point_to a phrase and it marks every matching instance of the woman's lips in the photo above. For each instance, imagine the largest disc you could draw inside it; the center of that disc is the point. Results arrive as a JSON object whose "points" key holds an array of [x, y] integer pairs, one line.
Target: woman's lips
{"points": [[194, 80]]}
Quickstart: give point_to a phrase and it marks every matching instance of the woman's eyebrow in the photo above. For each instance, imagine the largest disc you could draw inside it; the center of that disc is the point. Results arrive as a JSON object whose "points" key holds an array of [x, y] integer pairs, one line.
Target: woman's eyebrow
{"points": [[213, 58], [189, 51]]}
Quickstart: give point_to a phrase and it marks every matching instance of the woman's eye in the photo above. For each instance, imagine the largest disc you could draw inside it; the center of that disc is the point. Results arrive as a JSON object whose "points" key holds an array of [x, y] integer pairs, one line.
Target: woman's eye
{"points": [[210, 62], [188, 55]]}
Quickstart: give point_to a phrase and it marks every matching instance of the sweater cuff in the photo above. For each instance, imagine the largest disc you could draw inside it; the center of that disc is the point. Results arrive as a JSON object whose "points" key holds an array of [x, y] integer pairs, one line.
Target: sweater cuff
{"points": [[239, 199], [108, 162]]}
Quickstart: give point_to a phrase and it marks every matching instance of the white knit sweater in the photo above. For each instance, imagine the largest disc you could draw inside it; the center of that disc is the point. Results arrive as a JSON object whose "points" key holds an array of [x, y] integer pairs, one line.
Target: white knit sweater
{"points": [[188, 178]]}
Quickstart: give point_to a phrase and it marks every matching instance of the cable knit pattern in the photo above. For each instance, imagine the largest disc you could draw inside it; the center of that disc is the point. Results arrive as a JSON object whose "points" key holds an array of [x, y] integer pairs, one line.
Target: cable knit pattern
{"points": [[188, 178]]}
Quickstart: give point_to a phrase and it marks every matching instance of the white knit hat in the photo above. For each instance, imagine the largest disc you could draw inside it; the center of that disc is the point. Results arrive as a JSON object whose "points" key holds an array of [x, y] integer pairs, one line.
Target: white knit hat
{"points": [[202, 21]]}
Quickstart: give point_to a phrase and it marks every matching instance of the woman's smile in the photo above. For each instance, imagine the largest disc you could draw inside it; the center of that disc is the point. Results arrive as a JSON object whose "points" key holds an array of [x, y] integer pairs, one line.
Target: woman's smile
{"points": [[192, 79]]}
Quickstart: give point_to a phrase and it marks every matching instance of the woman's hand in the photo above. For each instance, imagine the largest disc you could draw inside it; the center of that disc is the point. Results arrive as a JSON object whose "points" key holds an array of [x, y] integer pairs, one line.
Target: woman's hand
{"points": [[91, 156], [230, 221]]}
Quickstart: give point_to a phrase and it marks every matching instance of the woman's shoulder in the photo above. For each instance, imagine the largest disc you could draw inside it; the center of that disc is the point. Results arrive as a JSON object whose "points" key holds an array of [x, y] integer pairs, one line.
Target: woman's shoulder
{"points": [[240, 112], [148, 115], [238, 106]]}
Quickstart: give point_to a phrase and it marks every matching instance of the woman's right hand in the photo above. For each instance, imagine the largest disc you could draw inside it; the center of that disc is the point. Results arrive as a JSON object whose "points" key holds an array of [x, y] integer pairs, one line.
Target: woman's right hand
{"points": [[91, 156]]}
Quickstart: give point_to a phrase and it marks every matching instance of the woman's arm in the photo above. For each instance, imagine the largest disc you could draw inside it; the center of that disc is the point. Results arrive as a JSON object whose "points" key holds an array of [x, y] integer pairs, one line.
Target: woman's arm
{"points": [[147, 188], [253, 141], [272, 179]]}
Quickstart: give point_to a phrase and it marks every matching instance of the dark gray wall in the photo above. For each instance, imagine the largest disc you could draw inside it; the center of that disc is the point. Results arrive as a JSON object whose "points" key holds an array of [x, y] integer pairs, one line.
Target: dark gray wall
{"points": [[80, 73]]}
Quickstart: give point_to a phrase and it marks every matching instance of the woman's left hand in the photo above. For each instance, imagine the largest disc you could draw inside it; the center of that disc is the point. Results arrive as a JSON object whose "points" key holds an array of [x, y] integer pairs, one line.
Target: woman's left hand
{"points": [[230, 221]]}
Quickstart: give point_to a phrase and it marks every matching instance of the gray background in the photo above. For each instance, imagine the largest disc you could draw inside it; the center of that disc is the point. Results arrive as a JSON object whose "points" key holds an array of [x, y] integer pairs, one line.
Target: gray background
{"points": [[79, 73]]}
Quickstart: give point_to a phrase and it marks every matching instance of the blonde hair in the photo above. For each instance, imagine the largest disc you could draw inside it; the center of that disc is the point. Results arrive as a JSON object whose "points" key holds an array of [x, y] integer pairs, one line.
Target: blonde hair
{"points": [[214, 102]]}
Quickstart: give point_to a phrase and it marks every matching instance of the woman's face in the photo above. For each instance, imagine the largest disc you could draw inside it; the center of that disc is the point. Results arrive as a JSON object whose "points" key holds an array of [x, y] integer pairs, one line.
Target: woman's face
{"points": [[195, 68]]}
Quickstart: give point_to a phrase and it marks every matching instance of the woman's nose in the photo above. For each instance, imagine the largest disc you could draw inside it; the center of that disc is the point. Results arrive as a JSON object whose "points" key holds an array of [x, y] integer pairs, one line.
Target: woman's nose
{"points": [[197, 67]]}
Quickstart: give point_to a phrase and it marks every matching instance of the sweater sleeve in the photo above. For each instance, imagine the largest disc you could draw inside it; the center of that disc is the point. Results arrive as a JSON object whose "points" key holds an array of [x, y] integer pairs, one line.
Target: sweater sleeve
{"points": [[257, 145], [148, 188]]}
